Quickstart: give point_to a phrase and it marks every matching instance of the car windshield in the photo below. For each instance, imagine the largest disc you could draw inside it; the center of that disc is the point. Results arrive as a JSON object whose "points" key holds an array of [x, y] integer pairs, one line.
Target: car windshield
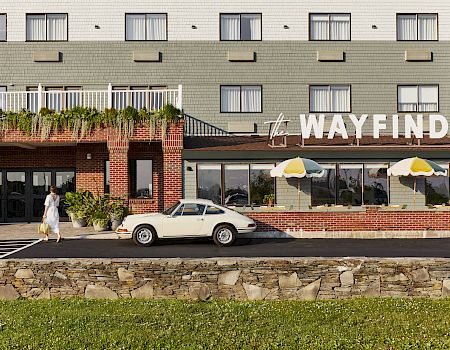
{"points": [[170, 210]]}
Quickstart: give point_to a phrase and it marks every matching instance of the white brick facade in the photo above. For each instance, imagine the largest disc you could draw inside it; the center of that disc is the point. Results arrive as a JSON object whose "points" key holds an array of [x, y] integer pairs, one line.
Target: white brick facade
{"points": [[84, 15]]}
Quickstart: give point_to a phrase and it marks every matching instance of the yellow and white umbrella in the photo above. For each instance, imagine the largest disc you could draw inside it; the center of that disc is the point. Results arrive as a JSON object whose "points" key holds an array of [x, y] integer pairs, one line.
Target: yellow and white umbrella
{"points": [[416, 167], [297, 167]]}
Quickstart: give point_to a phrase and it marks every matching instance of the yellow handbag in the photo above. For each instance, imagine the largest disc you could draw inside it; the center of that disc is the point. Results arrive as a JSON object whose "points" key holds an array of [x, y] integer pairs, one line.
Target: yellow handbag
{"points": [[44, 228]]}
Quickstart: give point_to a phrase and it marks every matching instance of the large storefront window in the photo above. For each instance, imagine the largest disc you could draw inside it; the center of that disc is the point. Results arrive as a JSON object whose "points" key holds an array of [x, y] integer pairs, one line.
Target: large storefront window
{"points": [[350, 184], [236, 184], [323, 189], [141, 179], [209, 184], [437, 189], [261, 183], [376, 184]]}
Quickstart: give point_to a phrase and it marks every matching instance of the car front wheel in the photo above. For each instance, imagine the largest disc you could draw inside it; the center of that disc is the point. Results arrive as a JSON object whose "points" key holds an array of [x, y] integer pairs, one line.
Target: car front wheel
{"points": [[224, 235], [144, 235]]}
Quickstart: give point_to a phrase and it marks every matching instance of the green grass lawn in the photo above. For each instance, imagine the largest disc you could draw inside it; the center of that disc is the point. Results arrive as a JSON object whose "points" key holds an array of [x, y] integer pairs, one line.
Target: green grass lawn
{"points": [[131, 324]]}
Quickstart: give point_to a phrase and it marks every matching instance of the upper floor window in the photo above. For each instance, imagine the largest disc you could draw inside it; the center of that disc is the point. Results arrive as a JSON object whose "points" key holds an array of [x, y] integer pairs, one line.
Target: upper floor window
{"points": [[245, 26], [2, 27], [329, 98], [47, 27], [421, 26], [329, 26], [2, 98], [146, 26], [240, 98], [418, 98]]}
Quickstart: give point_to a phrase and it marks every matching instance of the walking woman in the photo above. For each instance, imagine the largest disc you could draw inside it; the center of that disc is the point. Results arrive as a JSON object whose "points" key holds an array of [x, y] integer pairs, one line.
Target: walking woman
{"points": [[51, 215]]}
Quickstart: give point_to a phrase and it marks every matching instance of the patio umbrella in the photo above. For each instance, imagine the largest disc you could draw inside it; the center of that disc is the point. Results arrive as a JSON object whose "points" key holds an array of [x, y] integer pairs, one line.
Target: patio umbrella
{"points": [[416, 167], [297, 167]]}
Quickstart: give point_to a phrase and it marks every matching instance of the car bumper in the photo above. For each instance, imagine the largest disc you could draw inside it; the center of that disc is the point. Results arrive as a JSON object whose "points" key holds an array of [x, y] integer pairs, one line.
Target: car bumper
{"points": [[246, 230], [123, 232]]}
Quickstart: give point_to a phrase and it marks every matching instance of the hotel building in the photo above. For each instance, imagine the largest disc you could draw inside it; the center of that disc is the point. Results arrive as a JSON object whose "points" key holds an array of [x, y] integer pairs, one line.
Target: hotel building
{"points": [[232, 68]]}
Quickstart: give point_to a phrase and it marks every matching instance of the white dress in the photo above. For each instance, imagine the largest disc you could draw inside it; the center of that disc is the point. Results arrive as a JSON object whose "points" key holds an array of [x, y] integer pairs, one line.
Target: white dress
{"points": [[52, 213]]}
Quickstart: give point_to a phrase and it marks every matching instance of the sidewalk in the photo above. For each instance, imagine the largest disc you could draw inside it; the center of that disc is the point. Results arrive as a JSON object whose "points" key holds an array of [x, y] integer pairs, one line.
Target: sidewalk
{"points": [[14, 231]]}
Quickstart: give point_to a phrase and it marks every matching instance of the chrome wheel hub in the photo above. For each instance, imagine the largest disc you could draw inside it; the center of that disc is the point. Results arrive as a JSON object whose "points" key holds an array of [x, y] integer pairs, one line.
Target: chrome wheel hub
{"points": [[144, 235], [224, 235]]}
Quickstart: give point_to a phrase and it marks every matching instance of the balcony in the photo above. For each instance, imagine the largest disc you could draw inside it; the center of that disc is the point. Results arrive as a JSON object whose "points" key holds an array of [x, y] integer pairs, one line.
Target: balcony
{"points": [[57, 100]]}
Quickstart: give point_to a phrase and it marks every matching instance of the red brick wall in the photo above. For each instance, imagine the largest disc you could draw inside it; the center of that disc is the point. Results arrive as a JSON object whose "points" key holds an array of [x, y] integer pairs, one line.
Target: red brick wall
{"points": [[90, 172], [42, 157], [372, 219]]}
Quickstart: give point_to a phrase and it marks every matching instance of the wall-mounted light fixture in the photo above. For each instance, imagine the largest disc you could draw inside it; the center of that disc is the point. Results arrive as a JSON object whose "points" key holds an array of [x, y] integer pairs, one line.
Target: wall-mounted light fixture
{"points": [[286, 26], [374, 26], [194, 27], [97, 26], [88, 156]]}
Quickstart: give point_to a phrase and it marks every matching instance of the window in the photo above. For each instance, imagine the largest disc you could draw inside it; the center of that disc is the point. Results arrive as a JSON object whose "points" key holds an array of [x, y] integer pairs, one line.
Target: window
{"points": [[146, 27], [240, 99], [190, 209], [139, 97], [420, 27], [437, 190], [32, 99], [107, 177], [213, 210], [376, 184], [261, 183], [351, 184], [418, 98], [209, 182], [3, 27], [47, 27], [329, 98], [2, 98], [332, 26], [57, 98], [240, 26], [243, 184], [141, 178]]}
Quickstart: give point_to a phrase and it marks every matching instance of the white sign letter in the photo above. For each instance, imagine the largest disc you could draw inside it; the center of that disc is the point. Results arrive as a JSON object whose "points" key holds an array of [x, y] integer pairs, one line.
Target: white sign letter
{"points": [[337, 126], [312, 123], [414, 126], [379, 123], [358, 123], [395, 126], [444, 126]]}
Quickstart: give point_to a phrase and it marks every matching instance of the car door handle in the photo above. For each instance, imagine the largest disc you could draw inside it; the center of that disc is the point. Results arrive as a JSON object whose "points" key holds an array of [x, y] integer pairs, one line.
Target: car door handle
{"points": [[200, 219]]}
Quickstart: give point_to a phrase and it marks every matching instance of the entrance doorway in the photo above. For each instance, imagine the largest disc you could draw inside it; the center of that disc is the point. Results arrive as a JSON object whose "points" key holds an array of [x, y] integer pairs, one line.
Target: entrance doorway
{"points": [[23, 192]]}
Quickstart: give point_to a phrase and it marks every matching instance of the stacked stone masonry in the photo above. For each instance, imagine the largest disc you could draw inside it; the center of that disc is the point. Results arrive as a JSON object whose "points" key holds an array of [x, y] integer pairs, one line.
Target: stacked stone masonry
{"points": [[241, 279]]}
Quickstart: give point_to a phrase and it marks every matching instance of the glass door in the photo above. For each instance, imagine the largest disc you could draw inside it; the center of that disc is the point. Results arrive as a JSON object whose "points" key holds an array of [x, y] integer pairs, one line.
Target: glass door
{"points": [[41, 181], [64, 182], [16, 196]]}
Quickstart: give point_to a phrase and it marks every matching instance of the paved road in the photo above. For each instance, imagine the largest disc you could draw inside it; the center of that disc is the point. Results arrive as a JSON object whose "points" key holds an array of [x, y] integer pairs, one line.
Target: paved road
{"points": [[203, 248]]}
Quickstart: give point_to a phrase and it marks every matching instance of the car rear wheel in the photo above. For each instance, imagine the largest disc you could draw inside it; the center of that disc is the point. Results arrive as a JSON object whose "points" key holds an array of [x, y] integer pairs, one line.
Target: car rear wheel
{"points": [[144, 235], [224, 235]]}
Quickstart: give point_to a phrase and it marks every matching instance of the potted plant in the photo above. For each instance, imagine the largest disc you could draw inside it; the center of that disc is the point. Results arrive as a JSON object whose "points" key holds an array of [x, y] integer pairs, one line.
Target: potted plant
{"points": [[118, 211], [269, 199], [100, 221], [76, 207]]}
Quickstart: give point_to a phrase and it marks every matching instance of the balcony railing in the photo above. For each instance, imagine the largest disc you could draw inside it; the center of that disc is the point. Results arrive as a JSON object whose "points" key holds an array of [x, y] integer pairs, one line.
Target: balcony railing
{"points": [[58, 100]]}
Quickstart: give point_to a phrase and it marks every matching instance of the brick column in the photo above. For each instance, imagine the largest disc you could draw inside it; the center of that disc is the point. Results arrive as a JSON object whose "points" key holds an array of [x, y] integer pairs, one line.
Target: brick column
{"points": [[172, 146], [118, 147]]}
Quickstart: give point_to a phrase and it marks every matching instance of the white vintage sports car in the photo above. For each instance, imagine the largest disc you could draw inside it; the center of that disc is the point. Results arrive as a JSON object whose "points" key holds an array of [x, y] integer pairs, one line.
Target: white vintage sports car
{"points": [[188, 219]]}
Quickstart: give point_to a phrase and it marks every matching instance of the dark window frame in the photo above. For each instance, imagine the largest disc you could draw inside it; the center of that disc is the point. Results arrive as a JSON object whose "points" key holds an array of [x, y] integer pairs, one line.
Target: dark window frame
{"points": [[418, 101], [46, 26], [329, 24], [147, 13], [240, 97], [105, 177], [417, 25], [6, 27], [240, 25], [329, 89], [448, 182], [130, 182]]}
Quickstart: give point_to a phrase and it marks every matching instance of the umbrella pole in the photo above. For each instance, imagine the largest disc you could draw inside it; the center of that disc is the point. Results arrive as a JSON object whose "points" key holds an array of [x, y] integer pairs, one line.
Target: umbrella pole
{"points": [[298, 179], [415, 179]]}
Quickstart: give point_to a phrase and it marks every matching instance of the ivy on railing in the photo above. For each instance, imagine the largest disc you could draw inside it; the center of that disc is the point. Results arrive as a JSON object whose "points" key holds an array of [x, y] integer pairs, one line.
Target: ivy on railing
{"points": [[81, 120]]}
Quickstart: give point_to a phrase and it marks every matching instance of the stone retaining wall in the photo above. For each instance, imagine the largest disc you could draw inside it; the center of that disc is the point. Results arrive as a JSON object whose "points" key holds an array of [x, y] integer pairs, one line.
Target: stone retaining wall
{"points": [[243, 279]]}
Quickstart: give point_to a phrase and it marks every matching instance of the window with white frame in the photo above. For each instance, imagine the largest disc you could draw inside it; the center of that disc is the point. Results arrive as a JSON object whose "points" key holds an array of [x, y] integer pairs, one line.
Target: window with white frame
{"points": [[146, 26], [240, 99], [3, 27], [2, 98], [236, 26], [421, 26], [329, 98], [418, 98], [47, 27], [329, 26]]}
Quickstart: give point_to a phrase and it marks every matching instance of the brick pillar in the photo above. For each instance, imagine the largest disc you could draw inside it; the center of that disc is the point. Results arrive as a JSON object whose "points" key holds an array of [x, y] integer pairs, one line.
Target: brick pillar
{"points": [[172, 146], [118, 147]]}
